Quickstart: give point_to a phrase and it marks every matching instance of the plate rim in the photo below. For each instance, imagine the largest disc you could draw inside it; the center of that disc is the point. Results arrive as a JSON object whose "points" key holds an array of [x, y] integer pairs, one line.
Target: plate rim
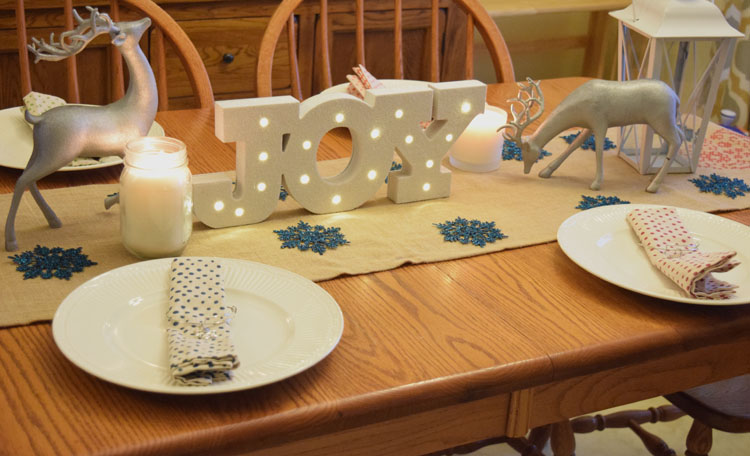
{"points": [[107, 164], [68, 350], [625, 208]]}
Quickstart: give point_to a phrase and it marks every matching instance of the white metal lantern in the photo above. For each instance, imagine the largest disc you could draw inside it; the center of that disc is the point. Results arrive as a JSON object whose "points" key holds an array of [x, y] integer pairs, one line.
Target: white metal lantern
{"points": [[676, 30]]}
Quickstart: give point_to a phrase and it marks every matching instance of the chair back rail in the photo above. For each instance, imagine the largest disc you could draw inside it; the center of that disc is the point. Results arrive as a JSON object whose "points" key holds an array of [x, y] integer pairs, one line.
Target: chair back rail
{"points": [[284, 16], [164, 28]]}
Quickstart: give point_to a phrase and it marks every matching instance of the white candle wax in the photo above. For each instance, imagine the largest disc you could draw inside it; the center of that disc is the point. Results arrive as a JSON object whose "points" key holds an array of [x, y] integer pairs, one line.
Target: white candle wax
{"points": [[155, 198], [480, 146]]}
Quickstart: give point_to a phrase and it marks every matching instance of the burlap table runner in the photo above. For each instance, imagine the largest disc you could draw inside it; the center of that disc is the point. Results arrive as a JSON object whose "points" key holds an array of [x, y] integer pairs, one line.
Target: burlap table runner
{"points": [[382, 235]]}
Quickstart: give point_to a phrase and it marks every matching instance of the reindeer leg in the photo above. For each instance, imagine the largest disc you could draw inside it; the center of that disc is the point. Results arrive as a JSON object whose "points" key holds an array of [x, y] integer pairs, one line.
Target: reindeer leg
{"points": [[675, 140], [599, 136], [583, 136], [49, 214], [35, 170], [11, 244]]}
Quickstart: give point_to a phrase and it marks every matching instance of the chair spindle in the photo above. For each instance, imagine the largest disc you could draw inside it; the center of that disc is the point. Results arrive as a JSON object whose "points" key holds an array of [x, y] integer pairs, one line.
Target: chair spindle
{"points": [[159, 62], [293, 61], [398, 40], [434, 48], [23, 53], [598, 422], [70, 63], [324, 45], [360, 31], [117, 87], [469, 54]]}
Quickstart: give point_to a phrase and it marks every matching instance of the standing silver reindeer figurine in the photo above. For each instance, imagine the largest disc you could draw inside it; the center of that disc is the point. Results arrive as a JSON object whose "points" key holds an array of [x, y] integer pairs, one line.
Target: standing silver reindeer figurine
{"points": [[67, 132], [596, 106]]}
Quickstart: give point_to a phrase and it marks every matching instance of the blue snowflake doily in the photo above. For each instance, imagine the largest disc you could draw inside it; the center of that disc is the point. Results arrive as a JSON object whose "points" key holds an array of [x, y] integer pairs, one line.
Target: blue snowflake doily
{"points": [[717, 185], [306, 237], [283, 194], [590, 142], [511, 151], [395, 166], [48, 262], [589, 202], [469, 231]]}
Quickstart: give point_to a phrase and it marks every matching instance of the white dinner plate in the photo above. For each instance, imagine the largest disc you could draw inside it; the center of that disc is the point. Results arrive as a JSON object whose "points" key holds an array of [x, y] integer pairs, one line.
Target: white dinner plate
{"points": [[601, 241], [16, 143], [114, 326]]}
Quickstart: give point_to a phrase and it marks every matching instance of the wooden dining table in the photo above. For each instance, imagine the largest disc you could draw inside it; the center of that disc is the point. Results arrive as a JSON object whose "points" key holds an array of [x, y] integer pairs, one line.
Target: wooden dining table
{"points": [[432, 355]]}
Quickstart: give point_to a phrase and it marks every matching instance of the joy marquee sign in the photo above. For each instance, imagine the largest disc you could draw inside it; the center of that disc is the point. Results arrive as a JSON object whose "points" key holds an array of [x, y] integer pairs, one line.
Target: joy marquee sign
{"points": [[277, 140]]}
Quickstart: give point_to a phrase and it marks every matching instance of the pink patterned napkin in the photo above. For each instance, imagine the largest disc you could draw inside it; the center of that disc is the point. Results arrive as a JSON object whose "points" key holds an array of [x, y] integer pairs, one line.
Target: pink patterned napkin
{"points": [[672, 249], [362, 80]]}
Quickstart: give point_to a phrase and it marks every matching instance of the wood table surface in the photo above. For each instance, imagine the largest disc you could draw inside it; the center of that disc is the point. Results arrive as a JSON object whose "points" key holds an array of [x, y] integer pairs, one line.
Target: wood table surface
{"points": [[432, 356]]}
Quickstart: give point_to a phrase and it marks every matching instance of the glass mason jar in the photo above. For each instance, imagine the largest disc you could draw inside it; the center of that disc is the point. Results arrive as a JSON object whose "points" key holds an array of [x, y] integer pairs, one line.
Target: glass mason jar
{"points": [[155, 198]]}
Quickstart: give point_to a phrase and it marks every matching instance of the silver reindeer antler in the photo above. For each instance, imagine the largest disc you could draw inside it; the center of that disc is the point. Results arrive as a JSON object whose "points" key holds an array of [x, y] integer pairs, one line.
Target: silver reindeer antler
{"points": [[523, 119], [72, 41]]}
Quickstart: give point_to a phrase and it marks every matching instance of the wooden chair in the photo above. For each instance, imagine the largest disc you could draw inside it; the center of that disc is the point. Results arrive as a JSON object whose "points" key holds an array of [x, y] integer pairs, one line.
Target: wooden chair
{"points": [[723, 405], [284, 19], [163, 27]]}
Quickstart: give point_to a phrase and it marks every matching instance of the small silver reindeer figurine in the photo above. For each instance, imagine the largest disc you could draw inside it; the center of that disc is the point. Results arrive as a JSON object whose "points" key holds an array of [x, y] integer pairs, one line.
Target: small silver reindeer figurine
{"points": [[595, 106], [67, 132]]}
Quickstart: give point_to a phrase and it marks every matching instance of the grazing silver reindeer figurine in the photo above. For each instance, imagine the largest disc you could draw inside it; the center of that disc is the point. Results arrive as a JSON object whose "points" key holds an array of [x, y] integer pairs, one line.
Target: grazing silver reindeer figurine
{"points": [[596, 106], [67, 132]]}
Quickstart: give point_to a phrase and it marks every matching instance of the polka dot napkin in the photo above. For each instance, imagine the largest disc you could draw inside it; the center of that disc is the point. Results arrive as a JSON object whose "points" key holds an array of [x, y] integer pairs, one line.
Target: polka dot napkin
{"points": [[38, 103], [198, 323], [672, 249]]}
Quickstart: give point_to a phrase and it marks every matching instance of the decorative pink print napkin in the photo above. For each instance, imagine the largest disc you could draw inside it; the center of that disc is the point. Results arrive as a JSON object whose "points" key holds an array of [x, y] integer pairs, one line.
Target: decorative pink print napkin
{"points": [[360, 81], [672, 249]]}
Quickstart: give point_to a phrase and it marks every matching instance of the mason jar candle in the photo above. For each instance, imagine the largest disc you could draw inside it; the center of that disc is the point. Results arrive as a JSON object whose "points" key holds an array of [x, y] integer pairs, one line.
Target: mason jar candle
{"points": [[479, 149], [155, 198]]}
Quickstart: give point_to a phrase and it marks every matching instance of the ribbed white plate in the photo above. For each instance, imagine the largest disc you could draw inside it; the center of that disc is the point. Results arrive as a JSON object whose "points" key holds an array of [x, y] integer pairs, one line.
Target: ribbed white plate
{"points": [[17, 142], [113, 326], [601, 241]]}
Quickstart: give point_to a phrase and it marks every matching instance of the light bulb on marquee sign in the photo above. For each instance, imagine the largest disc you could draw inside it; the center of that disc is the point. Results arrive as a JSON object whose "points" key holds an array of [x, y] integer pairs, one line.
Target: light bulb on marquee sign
{"points": [[277, 139]]}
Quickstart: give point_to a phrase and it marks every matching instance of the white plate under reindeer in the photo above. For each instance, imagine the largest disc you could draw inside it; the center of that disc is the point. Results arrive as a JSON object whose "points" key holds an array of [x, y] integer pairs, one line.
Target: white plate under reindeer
{"points": [[113, 326], [601, 241], [16, 144]]}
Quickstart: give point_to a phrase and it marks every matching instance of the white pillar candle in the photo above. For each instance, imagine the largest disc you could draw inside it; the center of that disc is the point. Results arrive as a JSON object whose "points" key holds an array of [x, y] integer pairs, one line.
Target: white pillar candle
{"points": [[479, 149], [155, 198]]}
